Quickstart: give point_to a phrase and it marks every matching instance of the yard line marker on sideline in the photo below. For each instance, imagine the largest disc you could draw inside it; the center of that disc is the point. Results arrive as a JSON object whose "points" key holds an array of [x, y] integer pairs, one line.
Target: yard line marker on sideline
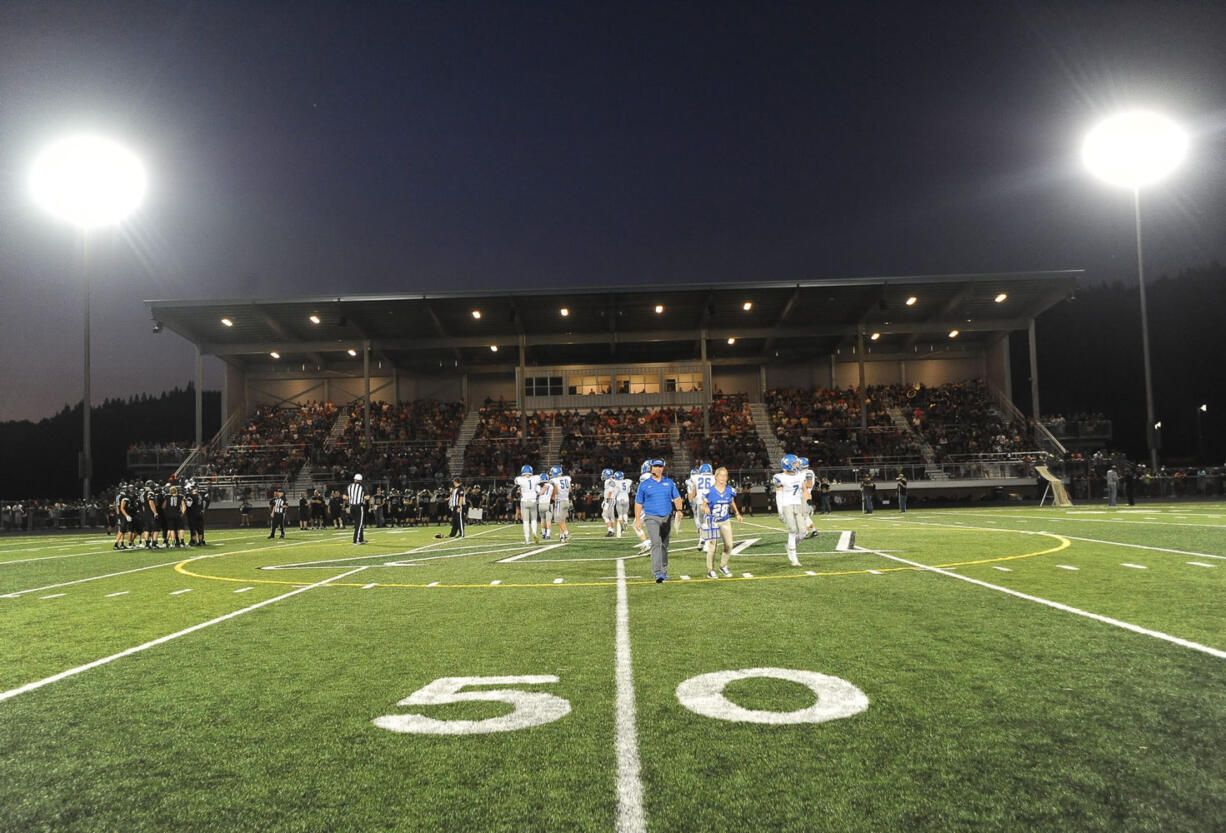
{"points": [[243, 589], [1002, 569], [1198, 564], [179, 592], [630, 815], [1067, 567], [1107, 620], [11, 693]]}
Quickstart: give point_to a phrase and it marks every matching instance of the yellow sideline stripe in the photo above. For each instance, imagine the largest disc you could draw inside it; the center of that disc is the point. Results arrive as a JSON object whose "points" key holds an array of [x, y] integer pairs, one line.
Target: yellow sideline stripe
{"points": [[1065, 543]]}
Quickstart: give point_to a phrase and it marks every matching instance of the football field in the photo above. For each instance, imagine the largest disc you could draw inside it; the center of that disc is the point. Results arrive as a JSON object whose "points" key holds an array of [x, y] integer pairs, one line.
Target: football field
{"points": [[1012, 669]]}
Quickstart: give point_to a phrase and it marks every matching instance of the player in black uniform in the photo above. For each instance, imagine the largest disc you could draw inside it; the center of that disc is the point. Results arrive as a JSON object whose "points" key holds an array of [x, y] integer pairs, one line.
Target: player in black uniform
{"points": [[336, 510], [123, 510], [173, 512], [193, 510], [304, 511], [318, 510], [148, 514]]}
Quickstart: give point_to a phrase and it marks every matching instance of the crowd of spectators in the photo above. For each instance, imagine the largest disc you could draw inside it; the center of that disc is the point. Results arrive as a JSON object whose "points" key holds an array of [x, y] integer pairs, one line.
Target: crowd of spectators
{"points": [[824, 424], [961, 418], [275, 440], [1078, 425], [500, 446], [409, 441], [152, 454], [619, 439], [733, 439]]}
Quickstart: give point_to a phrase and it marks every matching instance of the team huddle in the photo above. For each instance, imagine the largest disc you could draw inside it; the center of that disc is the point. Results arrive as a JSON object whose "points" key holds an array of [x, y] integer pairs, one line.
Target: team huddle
{"points": [[142, 512]]}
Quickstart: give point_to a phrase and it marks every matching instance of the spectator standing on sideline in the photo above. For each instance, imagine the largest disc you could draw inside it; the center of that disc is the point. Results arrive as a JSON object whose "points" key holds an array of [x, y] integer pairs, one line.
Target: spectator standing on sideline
{"points": [[867, 489], [1113, 486], [357, 509], [304, 511], [655, 502], [902, 492], [717, 502]]}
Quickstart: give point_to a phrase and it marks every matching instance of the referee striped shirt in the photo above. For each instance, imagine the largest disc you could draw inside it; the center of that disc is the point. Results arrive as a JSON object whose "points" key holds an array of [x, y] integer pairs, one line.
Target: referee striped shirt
{"points": [[357, 495]]}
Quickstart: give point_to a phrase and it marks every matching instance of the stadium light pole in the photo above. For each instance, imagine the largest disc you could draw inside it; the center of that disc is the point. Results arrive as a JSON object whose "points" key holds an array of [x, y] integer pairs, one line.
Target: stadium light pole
{"points": [[90, 182], [1133, 150]]}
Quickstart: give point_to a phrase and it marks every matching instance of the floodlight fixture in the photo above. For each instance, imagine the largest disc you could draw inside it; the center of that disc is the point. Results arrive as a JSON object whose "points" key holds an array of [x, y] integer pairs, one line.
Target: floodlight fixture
{"points": [[564, 312], [874, 336], [659, 308], [953, 333], [732, 340], [477, 314], [227, 322], [352, 352], [747, 306], [1204, 409], [493, 348], [1134, 149], [1001, 298], [90, 181], [911, 301], [275, 354], [314, 319]]}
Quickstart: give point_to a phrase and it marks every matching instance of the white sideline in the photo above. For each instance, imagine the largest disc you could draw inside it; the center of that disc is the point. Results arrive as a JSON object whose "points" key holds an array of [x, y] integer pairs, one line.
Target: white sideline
{"points": [[1107, 620], [630, 816], [99, 662]]}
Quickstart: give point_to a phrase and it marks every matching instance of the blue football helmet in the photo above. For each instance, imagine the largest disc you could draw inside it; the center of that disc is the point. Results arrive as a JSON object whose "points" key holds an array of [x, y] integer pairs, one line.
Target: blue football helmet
{"points": [[526, 470], [789, 462], [555, 471], [544, 478], [617, 475], [705, 468], [693, 471], [607, 474], [803, 462], [645, 468]]}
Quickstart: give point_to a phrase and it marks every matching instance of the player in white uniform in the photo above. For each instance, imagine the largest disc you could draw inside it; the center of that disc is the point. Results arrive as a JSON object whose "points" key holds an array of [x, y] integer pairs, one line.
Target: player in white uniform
{"points": [[527, 484], [544, 500], [789, 497], [624, 486], [703, 479], [691, 494], [810, 480], [561, 499], [608, 506]]}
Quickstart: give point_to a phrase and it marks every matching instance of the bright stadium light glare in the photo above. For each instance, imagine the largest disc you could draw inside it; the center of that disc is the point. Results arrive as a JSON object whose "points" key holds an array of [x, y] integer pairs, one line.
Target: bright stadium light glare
{"points": [[747, 306], [659, 308], [351, 352], [275, 354], [477, 314], [1134, 149], [1002, 297], [874, 336], [88, 181], [911, 301], [564, 311], [732, 340], [314, 319], [493, 348], [953, 333], [227, 322]]}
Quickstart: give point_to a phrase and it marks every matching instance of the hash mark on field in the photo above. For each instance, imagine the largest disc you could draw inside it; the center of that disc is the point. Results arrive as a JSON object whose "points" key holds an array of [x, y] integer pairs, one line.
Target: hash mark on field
{"points": [[558, 581], [120, 593], [180, 592], [243, 589], [747, 575], [685, 578], [1135, 566], [53, 596], [875, 572], [432, 584], [1067, 567], [496, 582], [368, 586], [1002, 569], [810, 573], [1200, 564]]}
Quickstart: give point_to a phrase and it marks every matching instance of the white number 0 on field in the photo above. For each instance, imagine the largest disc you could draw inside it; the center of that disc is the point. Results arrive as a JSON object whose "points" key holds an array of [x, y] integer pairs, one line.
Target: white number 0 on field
{"points": [[704, 695]]}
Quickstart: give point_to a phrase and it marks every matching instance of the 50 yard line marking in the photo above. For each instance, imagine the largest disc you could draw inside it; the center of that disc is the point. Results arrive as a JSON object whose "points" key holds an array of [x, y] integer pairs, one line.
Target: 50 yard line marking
{"points": [[7, 695]]}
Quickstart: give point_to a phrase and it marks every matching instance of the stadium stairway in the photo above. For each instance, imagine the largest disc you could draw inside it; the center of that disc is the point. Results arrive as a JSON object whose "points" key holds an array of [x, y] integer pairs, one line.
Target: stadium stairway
{"points": [[681, 452], [553, 445], [762, 425], [338, 427], [932, 470], [464, 435], [304, 481]]}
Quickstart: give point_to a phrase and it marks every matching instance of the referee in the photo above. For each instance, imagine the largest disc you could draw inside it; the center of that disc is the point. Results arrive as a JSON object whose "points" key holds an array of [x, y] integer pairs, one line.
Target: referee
{"points": [[456, 504], [357, 509]]}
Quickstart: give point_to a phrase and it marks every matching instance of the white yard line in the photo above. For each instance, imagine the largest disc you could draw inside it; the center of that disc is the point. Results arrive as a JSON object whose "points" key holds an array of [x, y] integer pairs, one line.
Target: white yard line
{"points": [[522, 555], [7, 695], [1107, 620], [106, 550], [17, 593], [630, 815]]}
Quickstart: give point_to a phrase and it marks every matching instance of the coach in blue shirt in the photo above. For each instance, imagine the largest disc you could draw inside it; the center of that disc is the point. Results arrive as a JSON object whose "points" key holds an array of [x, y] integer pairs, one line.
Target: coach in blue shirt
{"points": [[654, 503]]}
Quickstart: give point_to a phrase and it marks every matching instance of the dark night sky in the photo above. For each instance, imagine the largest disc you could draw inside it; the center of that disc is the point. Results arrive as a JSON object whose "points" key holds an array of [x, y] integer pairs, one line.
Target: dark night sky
{"points": [[354, 147]]}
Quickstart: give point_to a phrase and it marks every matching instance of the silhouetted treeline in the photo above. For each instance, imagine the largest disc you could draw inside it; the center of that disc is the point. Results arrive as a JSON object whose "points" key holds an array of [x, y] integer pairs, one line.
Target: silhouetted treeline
{"points": [[39, 459], [1090, 360]]}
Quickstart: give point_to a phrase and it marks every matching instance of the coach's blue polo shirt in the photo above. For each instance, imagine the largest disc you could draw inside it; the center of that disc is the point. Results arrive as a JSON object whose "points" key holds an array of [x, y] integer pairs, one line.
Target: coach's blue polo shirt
{"points": [[657, 498]]}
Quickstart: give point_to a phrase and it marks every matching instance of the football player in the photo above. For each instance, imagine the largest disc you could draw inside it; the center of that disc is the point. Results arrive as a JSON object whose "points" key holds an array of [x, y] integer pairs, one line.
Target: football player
{"points": [[544, 500], [700, 482], [561, 499], [789, 495], [810, 480], [608, 505], [527, 485]]}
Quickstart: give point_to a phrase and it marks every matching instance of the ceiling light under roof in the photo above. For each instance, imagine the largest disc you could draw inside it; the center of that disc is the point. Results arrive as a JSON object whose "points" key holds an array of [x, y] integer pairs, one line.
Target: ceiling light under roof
{"points": [[477, 314], [659, 308], [275, 354], [747, 306], [314, 319], [953, 333], [874, 336], [911, 301], [351, 351], [493, 348], [227, 322], [732, 340], [564, 312]]}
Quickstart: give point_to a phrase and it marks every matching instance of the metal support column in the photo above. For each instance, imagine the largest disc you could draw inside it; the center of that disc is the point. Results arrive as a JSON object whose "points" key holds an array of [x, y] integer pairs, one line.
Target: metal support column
{"points": [[1034, 374], [863, 392], [199, 398], [366, 377]]}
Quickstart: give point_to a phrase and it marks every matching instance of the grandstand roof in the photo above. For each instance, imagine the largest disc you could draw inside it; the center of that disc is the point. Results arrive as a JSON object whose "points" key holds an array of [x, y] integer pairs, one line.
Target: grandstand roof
{"points": [[787, 321]]}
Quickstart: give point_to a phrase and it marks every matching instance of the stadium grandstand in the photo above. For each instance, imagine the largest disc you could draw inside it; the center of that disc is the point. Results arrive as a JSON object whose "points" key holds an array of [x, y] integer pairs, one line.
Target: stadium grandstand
{"points": [[864, 376]]}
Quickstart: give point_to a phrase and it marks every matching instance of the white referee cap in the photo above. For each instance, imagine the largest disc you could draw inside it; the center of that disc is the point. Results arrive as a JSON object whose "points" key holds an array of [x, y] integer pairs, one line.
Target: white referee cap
{"points": [[357, 478]]}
